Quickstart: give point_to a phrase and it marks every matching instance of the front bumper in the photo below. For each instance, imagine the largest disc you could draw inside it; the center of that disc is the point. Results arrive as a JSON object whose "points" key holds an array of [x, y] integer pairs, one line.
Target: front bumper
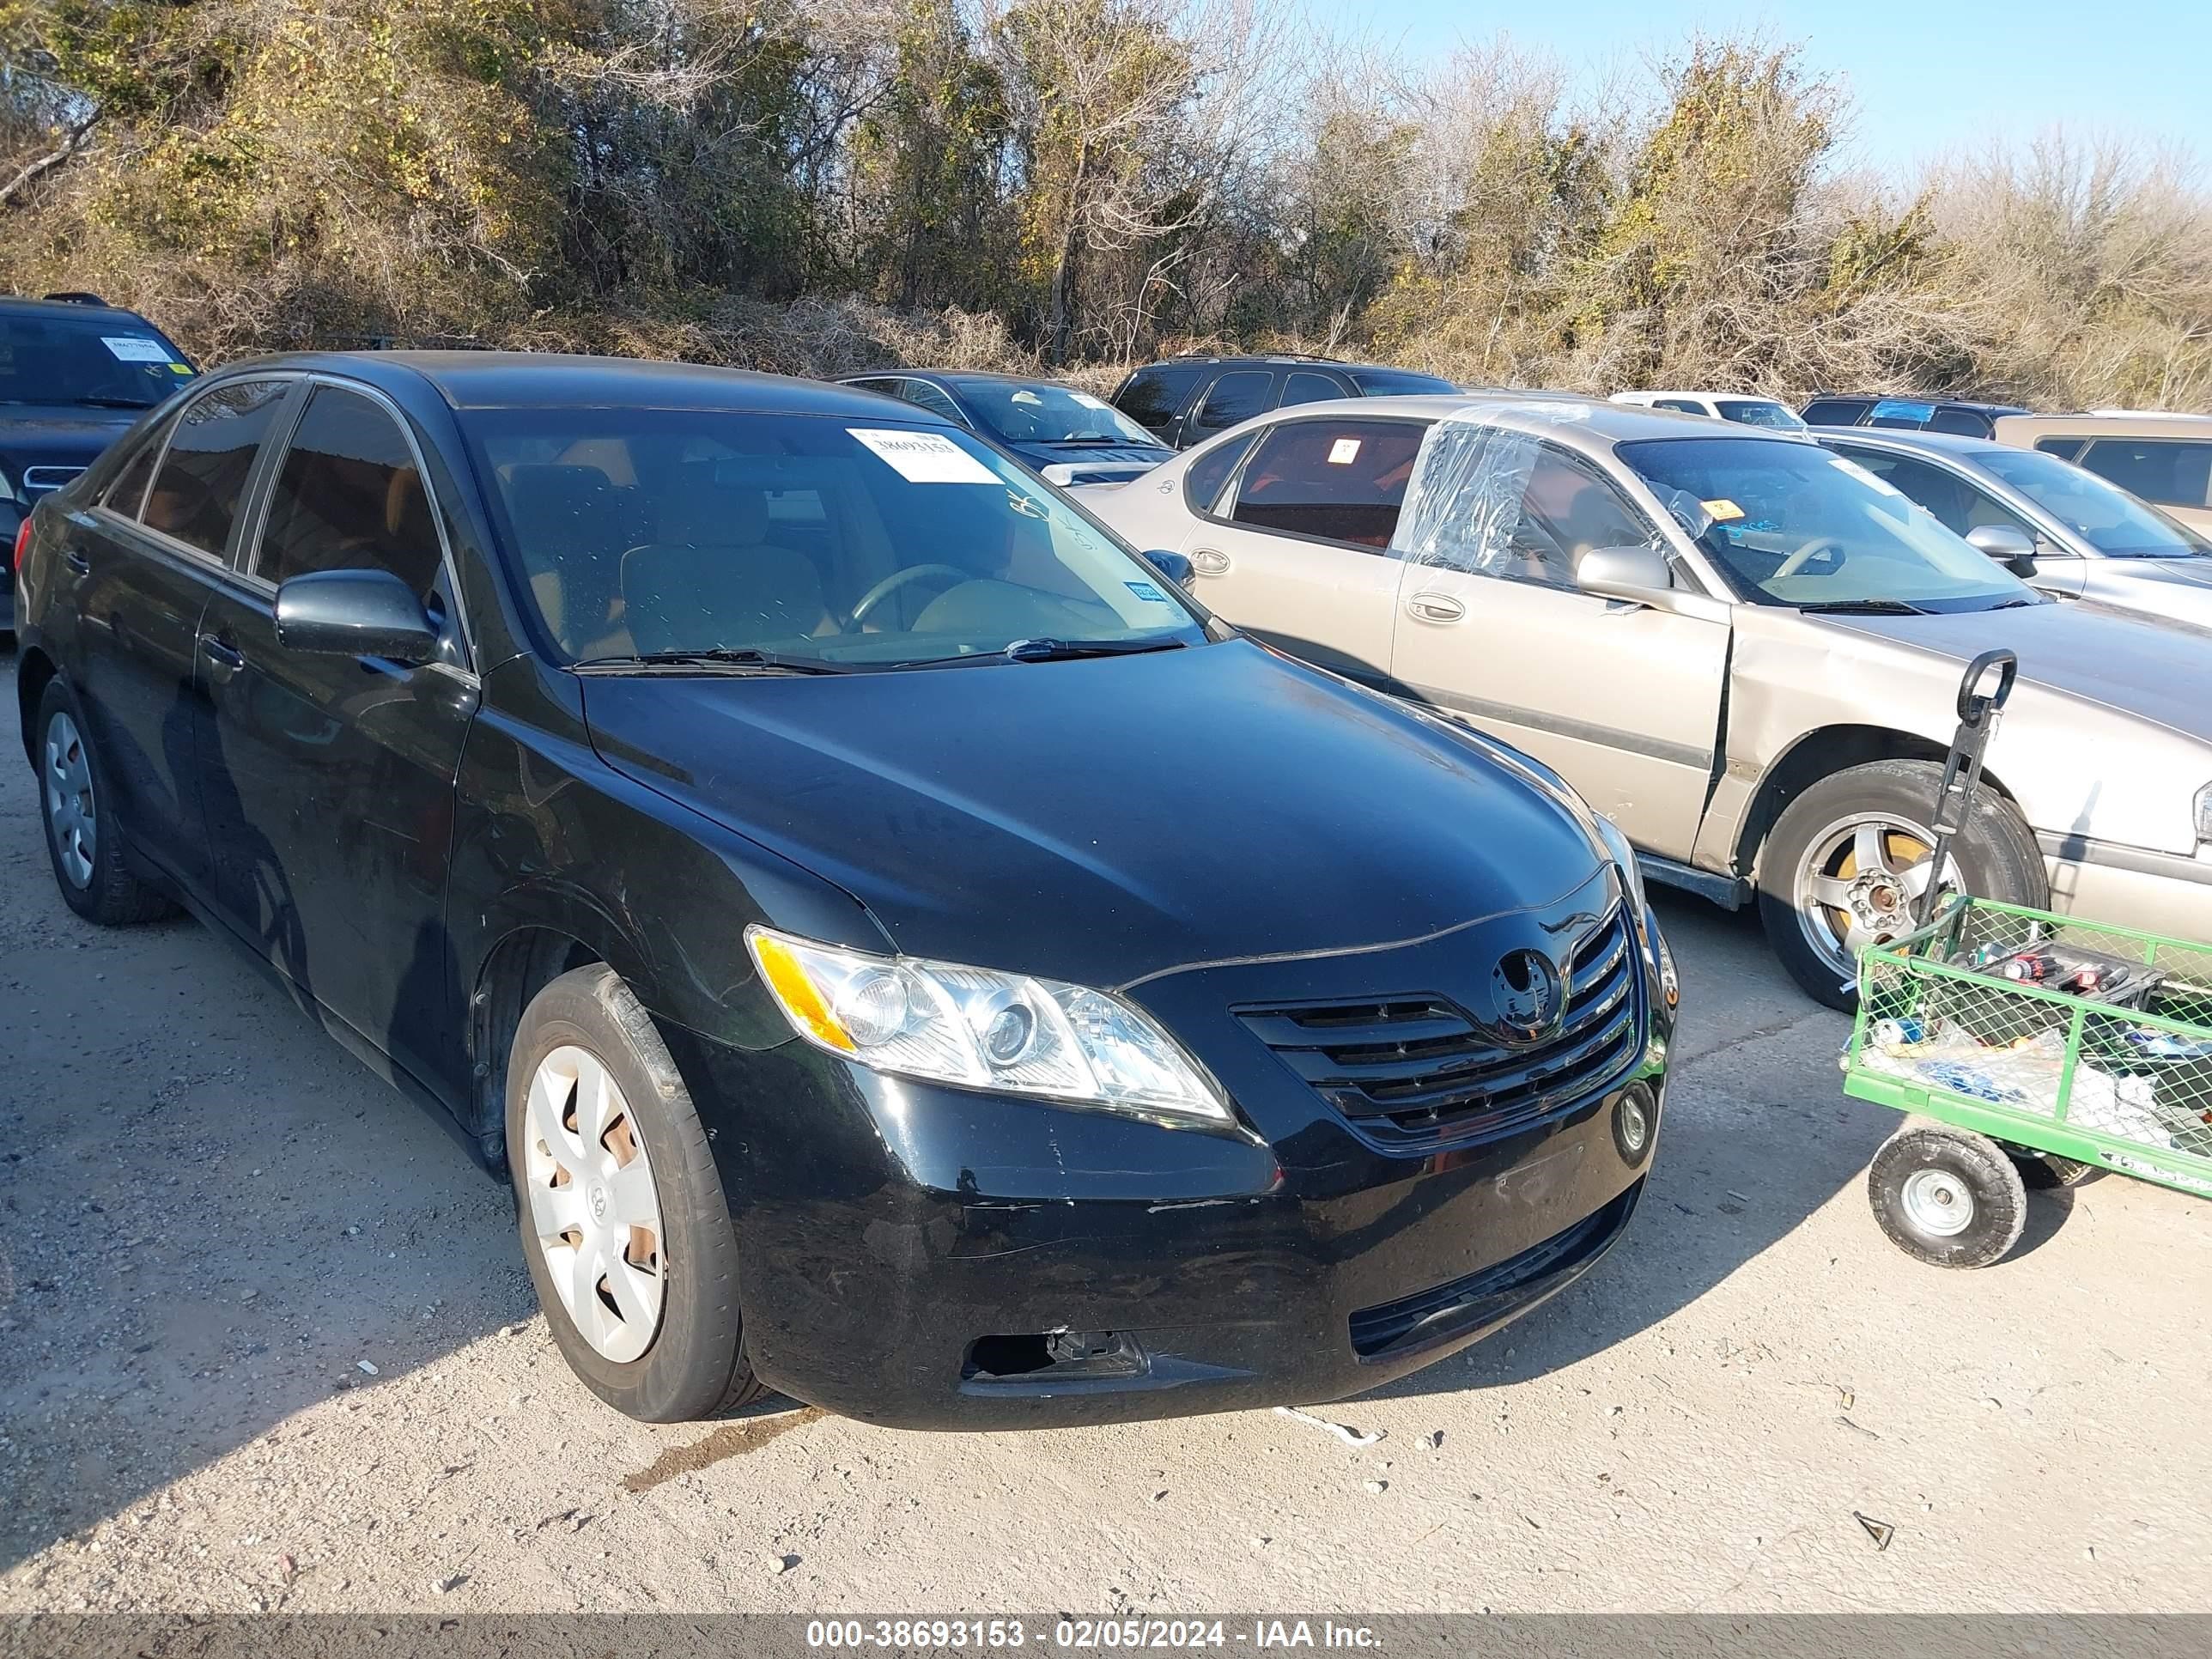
{"points": [[927, 1257]]}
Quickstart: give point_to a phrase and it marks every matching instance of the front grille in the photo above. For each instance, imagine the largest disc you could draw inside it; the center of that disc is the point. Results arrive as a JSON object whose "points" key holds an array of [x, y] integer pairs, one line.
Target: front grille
{"points": [[41, 479], [1415, 1072], [1484, 1298]]}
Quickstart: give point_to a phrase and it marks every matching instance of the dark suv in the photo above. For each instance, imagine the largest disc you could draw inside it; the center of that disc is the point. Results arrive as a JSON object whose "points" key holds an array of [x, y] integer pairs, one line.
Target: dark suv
{"points": [[1909, 414], [1186, 400], [74, 374]]}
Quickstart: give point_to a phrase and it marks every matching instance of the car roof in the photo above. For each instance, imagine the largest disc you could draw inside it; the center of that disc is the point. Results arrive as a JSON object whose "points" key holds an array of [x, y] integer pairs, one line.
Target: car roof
{"points": [[1736, 397], [1565, 415], [1929, 398], [1892, 437], [22, 305], [2111, 425], [535, 379], [957, 377]]}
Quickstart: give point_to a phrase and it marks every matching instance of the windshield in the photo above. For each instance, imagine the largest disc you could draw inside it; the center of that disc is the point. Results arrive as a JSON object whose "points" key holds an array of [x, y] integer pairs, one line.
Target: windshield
{"points": [[845, 543], [1792, 524], [2106, 516], [100, 361], [1040, 414], [1757, 411]]}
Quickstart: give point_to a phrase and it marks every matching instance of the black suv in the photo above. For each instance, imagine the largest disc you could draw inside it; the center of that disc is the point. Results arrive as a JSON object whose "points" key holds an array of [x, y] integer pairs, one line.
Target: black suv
{"points": [[74, 372], [1186, 400], [1909, 414]]}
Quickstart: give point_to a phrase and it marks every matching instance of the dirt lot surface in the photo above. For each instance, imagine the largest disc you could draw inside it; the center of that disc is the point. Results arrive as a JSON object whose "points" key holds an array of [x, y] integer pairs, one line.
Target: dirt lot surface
{"points": [[266, 1343]]}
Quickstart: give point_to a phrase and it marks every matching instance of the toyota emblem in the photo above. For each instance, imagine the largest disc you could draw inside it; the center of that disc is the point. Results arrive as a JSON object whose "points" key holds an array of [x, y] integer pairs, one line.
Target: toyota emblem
{"points": [[1525, 992]]}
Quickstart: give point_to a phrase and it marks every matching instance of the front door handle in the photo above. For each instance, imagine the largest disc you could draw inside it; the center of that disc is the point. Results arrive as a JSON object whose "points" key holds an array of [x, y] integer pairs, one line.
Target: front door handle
{"points": [[223, 660], [1208, 563], [1433, 607]]}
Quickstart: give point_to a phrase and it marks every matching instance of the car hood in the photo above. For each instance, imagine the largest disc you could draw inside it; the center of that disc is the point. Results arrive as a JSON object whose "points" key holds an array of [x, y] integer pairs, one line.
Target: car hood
{"points": [[2158, 671], [61, 435], [1107, 819]]}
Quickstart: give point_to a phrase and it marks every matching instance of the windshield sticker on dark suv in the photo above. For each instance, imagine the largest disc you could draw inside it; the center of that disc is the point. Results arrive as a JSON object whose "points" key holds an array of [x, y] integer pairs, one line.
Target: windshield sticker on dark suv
{"points": [[135, 348]]}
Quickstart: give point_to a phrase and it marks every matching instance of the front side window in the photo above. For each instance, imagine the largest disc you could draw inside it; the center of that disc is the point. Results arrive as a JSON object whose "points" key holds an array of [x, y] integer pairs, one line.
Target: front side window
{"points": [[1499, 502], [1043, 413], [1203, 478], [1758, 411], [1237, 396], [1307, 387], [1338, 481], [2170, 471], [2109, 519], [836, 543], [1965, 423], [1154, 396], [922, 395], [197, 493], [88, 361], [1793, 523], [349, 497]]}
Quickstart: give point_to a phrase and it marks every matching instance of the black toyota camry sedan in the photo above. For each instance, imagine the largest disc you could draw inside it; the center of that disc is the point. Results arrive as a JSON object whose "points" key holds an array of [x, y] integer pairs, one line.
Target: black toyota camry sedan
{"points": [[902, 950]]}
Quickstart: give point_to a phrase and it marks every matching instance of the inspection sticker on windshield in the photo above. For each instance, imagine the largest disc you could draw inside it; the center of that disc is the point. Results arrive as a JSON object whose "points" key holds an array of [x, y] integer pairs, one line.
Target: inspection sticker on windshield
{"points": [[135, 348], [1344, 452], [924, 457], [1723, 511], [1147, 593]]}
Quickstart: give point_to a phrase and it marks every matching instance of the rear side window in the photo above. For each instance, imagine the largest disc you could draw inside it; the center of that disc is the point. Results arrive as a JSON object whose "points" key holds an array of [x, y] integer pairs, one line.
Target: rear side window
{"points": [[1834, 411], [1154, 396], [2065, 449], [1236, 395], [127, 493], [1203, 478], [1307, 387], [2170, 471], [349, 497], [1966, 423], [1397, 383], [1340, 481], [1679, 405], [197, 493]]}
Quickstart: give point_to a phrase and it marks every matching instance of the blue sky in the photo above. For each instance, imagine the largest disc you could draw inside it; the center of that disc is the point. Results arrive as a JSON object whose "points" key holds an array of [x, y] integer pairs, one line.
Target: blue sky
{"points": [[1928, 77]]}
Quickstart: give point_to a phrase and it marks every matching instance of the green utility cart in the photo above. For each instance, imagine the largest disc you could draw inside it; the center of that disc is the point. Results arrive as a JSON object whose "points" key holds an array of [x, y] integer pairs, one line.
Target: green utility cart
{"points": [[2024, 1042]]}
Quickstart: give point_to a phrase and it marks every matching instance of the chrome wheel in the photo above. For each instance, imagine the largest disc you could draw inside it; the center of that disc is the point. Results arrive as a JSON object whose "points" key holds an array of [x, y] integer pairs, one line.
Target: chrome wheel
{"points": [[594, 1210], [70, 817], [1938, 1203], [1859, 883]]}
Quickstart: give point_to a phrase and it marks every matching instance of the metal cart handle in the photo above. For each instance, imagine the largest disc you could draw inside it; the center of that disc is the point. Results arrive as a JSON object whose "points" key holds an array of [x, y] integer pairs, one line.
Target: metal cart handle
{"points": [[1962, 767]]}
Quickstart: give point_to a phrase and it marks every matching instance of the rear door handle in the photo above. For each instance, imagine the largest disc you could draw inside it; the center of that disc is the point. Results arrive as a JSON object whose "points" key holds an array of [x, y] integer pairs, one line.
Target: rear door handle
{"points": [[225, 660], [77, 560], [1436, 607], [1208, 563]]}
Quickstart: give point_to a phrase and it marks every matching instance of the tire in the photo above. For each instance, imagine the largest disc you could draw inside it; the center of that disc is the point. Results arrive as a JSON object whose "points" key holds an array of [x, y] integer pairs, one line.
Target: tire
{"points": [[85, 850], [638, 1276], [1948, 1197], [1815, 839]]}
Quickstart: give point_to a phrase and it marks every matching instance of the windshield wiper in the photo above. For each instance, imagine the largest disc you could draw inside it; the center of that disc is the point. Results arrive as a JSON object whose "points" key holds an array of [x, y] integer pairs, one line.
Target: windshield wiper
{"points": [[767, 662], [1047, 650], [1087, 439], [111, 403], [1862, 608]]}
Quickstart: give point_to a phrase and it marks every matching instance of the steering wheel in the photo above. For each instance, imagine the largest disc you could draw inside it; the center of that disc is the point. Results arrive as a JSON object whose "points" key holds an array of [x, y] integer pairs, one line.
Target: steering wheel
{"points": [[1805, 556], [900, 579]]}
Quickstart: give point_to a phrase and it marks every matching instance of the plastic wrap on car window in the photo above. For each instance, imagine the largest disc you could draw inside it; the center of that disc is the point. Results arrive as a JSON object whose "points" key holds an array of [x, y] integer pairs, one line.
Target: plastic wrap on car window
{"points": [[1464, 502]]}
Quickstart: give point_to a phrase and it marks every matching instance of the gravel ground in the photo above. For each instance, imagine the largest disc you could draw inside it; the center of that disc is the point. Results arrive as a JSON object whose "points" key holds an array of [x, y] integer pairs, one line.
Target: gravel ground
{"points": [[266, 1343]]}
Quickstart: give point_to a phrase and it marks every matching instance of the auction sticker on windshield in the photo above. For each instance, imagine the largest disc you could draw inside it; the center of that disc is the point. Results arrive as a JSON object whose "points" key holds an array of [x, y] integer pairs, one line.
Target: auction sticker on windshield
{"points": [[924, 457], [1344, 452], [135, 348]]}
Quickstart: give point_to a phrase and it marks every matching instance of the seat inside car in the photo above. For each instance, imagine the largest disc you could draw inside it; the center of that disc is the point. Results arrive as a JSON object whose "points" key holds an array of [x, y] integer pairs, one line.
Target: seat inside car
{"points": [[572, 526], [713, 578]]}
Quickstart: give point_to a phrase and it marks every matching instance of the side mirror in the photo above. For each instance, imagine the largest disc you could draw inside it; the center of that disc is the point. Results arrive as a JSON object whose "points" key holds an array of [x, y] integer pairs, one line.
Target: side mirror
{"points": [[1635, 574], [1174, 566], [354, 613], [2009, 545]]}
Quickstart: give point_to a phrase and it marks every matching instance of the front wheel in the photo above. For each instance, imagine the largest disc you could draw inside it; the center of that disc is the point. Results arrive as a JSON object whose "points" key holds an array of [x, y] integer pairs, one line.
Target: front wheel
{"points": [[1949, 1197], [1847, 862], [623, 1223]]}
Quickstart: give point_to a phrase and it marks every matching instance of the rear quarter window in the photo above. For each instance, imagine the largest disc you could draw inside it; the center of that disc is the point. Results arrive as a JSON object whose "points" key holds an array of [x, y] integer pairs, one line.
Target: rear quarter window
{"points": [[1154, 396]]}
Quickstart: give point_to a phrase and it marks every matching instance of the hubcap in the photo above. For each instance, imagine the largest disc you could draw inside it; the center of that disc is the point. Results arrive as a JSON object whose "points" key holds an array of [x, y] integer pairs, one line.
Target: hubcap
{"points": [[594, 1210], [70, 817], [1938, 1202], [1860, 882]]}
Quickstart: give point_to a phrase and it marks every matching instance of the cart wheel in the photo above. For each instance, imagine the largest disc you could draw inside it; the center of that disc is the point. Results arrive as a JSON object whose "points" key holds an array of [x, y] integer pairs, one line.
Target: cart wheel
{"points": [[2040, 1172], [1949, 1196]]}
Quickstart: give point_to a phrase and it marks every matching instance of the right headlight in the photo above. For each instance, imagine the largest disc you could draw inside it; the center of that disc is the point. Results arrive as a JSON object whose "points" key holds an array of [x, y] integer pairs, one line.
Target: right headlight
{"points": [[982, 1029]]}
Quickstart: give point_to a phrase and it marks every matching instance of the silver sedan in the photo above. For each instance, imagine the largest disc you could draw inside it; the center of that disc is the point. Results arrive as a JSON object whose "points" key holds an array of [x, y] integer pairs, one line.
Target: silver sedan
{"points": [[2067, 531], [1740, 647]]}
